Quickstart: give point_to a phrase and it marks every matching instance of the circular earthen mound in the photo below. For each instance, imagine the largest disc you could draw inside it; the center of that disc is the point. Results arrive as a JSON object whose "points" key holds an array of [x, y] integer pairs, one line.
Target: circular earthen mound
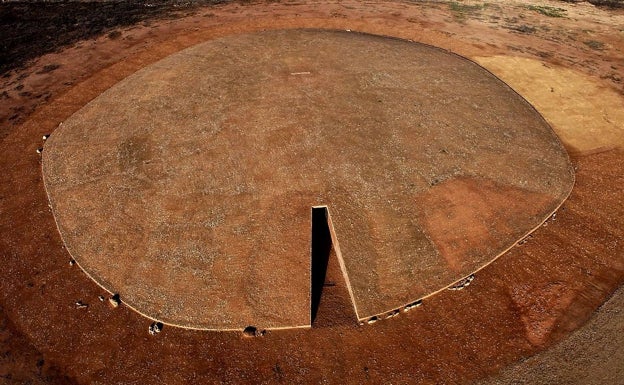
{"points": [[187, 188]]}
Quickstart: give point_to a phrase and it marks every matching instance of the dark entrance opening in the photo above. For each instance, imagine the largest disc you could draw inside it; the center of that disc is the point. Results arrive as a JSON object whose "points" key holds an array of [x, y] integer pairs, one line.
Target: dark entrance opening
{"points": [[321, 249], [331, 303]]}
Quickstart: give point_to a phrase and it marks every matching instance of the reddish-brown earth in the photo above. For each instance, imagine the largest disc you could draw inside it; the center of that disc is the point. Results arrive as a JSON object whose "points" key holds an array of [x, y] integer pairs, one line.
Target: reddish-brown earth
{"points": [[530, 298]]}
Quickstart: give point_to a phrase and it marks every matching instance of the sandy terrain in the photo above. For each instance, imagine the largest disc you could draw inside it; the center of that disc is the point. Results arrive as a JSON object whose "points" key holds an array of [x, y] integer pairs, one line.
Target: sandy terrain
{"points": [[530, 299]]}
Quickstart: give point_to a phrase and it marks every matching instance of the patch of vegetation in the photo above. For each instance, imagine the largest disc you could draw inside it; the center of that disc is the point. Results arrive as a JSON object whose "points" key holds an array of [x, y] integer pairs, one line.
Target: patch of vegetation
{"points": [[49, 68], [548, 11], [461, 7], [523, 28], [460, 10], [593, 44], [114, 35]]}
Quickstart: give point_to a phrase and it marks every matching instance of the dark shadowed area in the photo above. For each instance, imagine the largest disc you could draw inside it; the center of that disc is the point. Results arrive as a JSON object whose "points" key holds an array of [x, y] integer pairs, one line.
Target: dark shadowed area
{"points": [[32, 28]]}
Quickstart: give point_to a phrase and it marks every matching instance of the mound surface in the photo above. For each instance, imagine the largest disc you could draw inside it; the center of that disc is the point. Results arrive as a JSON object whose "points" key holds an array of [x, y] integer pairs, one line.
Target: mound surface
{"points": [[187, 188]]}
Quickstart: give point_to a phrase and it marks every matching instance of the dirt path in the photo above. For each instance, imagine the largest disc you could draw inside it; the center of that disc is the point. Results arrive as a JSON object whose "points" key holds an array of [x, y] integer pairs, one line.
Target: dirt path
{"points": [[525, 302]]}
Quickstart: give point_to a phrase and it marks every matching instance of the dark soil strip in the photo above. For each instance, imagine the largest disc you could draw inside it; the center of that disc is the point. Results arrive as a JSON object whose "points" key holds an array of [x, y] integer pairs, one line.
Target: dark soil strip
{"points": [[30, 29]]}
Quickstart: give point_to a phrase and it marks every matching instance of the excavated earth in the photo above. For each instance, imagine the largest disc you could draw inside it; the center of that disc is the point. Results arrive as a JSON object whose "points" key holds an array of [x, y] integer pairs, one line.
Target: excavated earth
{"points": [[59, 327]]}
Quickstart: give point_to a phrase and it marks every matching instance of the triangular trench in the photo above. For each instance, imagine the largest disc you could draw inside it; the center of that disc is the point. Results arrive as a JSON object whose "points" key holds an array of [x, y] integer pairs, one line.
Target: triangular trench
{"points": [[332, 300]]}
